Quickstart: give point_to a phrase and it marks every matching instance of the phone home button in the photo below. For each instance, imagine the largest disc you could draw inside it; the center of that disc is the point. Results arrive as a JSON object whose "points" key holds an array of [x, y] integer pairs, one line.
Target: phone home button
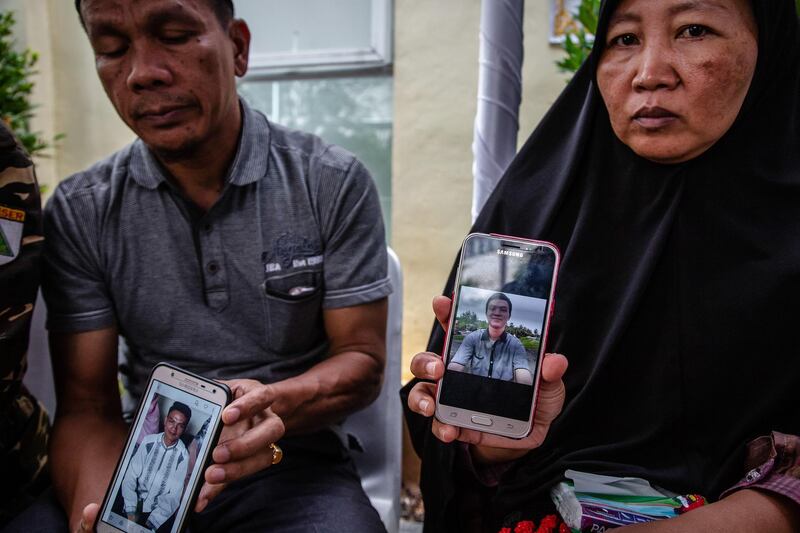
{"points": [[482, 420]]}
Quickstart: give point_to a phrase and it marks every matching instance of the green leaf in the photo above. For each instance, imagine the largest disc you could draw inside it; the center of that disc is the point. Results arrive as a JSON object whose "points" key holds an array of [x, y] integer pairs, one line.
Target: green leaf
{"points": [[578, 43], [16, 87]]}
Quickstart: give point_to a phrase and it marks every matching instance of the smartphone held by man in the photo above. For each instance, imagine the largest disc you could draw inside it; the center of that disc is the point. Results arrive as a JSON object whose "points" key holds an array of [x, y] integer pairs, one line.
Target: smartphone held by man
{"points": [[496, 337], [169, 445]]}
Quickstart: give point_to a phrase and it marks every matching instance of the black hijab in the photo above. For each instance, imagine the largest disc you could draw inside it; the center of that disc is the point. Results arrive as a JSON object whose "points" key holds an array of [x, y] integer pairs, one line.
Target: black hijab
{"points": [[678, 296]]}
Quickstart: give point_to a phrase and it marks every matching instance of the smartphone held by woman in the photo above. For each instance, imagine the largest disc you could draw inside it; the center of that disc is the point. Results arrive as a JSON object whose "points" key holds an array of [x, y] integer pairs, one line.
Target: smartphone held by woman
{"points": [[502, 303]]}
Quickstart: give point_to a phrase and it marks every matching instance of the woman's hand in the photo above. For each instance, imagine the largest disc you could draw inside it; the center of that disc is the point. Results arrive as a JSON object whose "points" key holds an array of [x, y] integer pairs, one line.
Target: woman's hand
{"points": [[244, 445], [487, 448], [88, 518]]}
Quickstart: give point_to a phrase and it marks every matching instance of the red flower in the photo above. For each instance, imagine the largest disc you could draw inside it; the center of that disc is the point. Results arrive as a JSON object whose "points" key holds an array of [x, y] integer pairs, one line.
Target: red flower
{"points": [[550, 521], [547, 525], [526, 526]]}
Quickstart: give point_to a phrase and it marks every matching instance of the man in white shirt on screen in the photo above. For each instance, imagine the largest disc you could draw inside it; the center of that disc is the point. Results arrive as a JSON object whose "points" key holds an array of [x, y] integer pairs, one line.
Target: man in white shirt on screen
{"points": [[153, 485]]}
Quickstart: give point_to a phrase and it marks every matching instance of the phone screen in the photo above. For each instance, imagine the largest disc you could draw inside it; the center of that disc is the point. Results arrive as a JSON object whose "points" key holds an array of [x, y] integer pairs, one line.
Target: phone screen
{"points": [[164, 457], [499, 323]]}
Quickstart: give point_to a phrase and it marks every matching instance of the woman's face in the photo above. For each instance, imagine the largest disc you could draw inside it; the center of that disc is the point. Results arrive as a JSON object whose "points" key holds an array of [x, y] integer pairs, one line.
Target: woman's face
{"points": [[674, 73]]}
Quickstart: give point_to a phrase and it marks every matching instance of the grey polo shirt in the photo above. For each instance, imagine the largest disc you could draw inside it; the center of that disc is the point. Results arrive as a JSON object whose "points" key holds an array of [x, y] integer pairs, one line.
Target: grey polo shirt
{"points": [[237, 291], [495, 359]]}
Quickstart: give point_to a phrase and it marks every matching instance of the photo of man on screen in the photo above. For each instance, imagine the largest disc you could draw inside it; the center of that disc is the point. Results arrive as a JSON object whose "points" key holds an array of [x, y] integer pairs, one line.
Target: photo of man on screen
{"points": [[154, 482], [492, 351]]}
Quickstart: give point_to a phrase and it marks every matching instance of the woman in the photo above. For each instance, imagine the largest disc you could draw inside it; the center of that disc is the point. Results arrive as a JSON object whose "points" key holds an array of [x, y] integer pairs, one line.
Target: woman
{"points": [[668, 173]]}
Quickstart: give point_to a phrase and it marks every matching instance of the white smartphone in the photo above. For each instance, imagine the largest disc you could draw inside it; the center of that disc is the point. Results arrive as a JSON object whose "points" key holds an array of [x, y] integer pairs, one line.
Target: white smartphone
{"points": [[502, 304], [160, 472]]}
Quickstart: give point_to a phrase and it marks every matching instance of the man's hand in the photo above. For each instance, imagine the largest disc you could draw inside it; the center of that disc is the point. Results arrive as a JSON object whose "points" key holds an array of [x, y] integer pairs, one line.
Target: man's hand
{"points": [[347, 380], [88, 518], [487, 448], [85, 374], [249, 428]]}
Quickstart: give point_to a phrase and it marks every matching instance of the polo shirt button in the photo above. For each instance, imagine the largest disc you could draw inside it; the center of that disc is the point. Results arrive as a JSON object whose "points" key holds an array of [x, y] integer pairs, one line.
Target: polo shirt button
{"points": [[207, 228], [212, 267]]}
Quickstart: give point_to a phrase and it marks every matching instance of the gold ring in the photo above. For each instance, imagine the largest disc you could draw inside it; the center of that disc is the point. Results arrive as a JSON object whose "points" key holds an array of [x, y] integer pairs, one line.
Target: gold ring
{"points": [[277, 453]]}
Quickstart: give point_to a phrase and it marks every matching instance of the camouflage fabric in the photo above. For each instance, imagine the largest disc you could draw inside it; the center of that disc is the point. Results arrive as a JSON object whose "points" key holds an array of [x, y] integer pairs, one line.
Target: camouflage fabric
{"points": [[24, 423]]}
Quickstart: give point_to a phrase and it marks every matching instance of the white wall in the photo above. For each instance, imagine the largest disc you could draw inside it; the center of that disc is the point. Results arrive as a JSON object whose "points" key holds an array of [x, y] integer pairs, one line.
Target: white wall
{"points": [[81, 108]]}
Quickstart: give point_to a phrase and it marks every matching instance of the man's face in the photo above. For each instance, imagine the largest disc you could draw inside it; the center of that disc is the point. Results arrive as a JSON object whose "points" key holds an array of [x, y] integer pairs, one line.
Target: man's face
{"points": [[497, 314], [169, 68], [174, 426]]}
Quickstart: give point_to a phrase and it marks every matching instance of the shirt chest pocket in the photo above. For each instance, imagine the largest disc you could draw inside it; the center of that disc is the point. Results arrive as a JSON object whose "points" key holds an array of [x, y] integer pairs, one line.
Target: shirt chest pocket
{"points": [[293, 305]]}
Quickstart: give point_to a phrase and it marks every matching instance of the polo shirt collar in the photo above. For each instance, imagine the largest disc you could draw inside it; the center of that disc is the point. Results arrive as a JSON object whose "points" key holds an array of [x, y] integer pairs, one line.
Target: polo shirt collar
{"points": [[249, 165], [501, 339]]}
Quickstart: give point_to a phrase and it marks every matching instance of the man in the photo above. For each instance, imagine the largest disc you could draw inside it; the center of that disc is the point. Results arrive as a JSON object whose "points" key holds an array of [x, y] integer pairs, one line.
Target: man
{"points": [[24, 424], [229, 246], [493, 352], [153, 485]]}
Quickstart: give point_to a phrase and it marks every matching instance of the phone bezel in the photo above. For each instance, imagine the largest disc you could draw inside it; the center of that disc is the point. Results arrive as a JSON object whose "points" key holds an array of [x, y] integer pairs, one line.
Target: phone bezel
{"points": [[193, 384], [462, 417]]}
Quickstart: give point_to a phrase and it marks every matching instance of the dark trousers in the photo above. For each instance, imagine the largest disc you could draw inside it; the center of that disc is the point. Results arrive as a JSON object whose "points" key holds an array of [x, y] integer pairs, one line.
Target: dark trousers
{"points": [[43, 516], [315, 488]]}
